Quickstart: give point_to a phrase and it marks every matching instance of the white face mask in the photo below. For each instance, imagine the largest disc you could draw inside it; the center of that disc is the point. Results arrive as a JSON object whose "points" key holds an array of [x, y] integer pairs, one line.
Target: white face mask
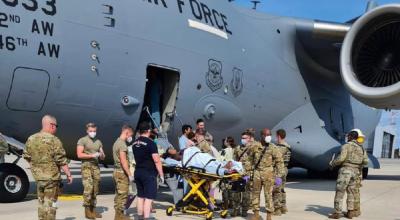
{"points": [[92, 134], [129, 139], [268, 139], [243, 141]]}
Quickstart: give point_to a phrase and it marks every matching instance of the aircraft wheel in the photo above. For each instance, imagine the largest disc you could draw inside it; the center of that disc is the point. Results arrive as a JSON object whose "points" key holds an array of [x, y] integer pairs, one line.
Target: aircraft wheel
{"points": [[14, 183], [365, 172]]}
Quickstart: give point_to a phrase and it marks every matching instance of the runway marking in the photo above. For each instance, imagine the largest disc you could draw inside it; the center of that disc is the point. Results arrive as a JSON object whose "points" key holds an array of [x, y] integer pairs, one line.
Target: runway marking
{"points": [[70, 197]]}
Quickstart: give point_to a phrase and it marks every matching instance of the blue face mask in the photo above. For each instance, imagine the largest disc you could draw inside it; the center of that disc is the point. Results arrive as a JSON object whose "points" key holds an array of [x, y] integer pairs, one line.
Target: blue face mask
{"points": [[243, 141]]}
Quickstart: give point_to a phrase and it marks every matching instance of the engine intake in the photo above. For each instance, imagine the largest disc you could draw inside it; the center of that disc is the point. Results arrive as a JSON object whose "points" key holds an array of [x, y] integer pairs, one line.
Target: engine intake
{"points": [[370, 58]]}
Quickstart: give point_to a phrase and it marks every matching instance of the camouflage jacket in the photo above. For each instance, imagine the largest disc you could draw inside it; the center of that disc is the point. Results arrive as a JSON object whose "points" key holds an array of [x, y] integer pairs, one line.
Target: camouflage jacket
{"points": [[271, 160], [352, 154], [46, 155], [285, 150], [240, 154]]}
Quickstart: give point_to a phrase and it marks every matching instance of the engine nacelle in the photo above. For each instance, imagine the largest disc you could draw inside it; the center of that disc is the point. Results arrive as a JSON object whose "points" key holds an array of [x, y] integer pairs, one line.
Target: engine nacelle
{"points": [[370, 58]]}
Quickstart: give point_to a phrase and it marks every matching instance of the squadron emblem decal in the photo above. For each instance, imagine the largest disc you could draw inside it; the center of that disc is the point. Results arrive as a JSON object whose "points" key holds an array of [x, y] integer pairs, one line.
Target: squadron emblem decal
{"points": [[237, 82], [214, 77]]}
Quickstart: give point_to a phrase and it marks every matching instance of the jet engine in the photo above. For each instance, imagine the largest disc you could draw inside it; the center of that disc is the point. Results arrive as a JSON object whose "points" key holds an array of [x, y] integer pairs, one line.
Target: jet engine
{"points": [[370, 58]]}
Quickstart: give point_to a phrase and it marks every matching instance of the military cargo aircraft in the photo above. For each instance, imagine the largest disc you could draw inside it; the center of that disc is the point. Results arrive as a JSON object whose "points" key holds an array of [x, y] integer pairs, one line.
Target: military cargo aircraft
{"points": [[101, 61]]}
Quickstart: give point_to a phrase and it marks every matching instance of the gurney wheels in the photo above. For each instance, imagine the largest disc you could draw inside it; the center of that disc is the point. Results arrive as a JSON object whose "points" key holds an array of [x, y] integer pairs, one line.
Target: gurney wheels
{"points": [[170, 210], [224, 214], [209, 216]]}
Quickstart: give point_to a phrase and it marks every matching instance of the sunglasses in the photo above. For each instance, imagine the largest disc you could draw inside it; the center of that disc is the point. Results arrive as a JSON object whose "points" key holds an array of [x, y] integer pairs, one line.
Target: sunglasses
{"points": [[55, 125]]}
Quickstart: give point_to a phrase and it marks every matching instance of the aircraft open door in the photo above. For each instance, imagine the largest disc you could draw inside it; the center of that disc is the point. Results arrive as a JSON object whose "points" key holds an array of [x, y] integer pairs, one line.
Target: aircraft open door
{"points": [[160, 98]]}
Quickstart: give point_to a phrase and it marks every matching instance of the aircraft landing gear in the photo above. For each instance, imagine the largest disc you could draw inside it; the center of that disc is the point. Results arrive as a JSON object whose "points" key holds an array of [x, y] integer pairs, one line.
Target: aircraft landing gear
{"points": [[14, 183]]}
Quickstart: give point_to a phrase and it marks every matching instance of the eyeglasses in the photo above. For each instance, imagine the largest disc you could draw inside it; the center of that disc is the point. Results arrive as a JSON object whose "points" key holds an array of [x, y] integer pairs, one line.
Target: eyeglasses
{"points": [[55, 125]]}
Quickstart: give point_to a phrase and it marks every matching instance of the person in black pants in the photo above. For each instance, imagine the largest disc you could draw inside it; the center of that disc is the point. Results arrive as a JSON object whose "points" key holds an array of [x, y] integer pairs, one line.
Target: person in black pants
{"points": [[148, 165]]}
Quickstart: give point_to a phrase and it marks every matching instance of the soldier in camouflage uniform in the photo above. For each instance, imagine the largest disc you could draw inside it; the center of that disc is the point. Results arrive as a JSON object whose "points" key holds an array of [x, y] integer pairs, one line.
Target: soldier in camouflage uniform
{"points": [[3, 148], [201, 129], [227, 155], [357, 199], [46, 156], [90, 150], [352, 157], [279, 194], [122, 174], [242, 199], [267, 171]]}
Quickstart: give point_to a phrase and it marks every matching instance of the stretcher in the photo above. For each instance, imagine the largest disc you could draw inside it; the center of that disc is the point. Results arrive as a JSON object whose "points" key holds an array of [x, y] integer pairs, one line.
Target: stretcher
{"points": [[197, 200]]}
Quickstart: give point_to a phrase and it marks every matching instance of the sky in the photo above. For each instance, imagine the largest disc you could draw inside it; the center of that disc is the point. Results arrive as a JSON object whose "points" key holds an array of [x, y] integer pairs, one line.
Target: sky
{"points": [[326, 10]]}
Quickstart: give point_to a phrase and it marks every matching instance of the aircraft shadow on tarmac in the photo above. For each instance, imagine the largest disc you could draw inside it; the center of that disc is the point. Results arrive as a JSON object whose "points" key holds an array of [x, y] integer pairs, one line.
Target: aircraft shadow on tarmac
{"points": [[299, 179], [384, 177]]}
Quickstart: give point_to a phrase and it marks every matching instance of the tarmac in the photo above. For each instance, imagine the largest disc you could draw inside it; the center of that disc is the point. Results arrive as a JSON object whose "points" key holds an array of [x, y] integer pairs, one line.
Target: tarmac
{"points": [[308, 198]]}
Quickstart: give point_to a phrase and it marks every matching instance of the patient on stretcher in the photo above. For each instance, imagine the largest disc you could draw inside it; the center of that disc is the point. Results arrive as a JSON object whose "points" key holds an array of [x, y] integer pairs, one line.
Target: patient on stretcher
{"points": [[194, 158]]}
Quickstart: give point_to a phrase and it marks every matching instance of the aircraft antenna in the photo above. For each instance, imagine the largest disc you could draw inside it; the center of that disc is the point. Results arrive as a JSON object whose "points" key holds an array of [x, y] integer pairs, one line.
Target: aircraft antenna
{"points": [[255, 3], [371, 4]]}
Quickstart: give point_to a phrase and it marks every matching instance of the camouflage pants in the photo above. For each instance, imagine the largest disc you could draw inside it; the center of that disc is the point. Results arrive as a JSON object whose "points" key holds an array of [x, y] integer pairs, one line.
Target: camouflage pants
{"points": [[242, 199], [227, 198], [91, 182], [226, 195], [346, 182], [262, 179], [357, 199], [121, 182], [47, 192], [279, 194]]}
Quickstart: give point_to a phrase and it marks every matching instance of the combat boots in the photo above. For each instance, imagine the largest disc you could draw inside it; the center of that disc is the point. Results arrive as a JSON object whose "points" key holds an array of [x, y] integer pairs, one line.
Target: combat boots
{"points": [[94, 213], [277, 212], [235, 212], [350, 214], [269, 215], [256, 216], [284, 210], [357, 212], [120, 216], [88, 213], [244, 213], [335, 215]]}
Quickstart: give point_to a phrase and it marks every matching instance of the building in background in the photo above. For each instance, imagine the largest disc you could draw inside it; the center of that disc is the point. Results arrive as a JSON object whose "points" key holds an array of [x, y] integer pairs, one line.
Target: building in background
{"points": [[384, 141]]}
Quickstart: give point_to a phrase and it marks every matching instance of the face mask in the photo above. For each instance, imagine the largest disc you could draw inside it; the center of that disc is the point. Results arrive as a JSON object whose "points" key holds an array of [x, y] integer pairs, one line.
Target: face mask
{"points": [[156, 141], [243, 141], [92, 134], [268, 139], [129, 139]]}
